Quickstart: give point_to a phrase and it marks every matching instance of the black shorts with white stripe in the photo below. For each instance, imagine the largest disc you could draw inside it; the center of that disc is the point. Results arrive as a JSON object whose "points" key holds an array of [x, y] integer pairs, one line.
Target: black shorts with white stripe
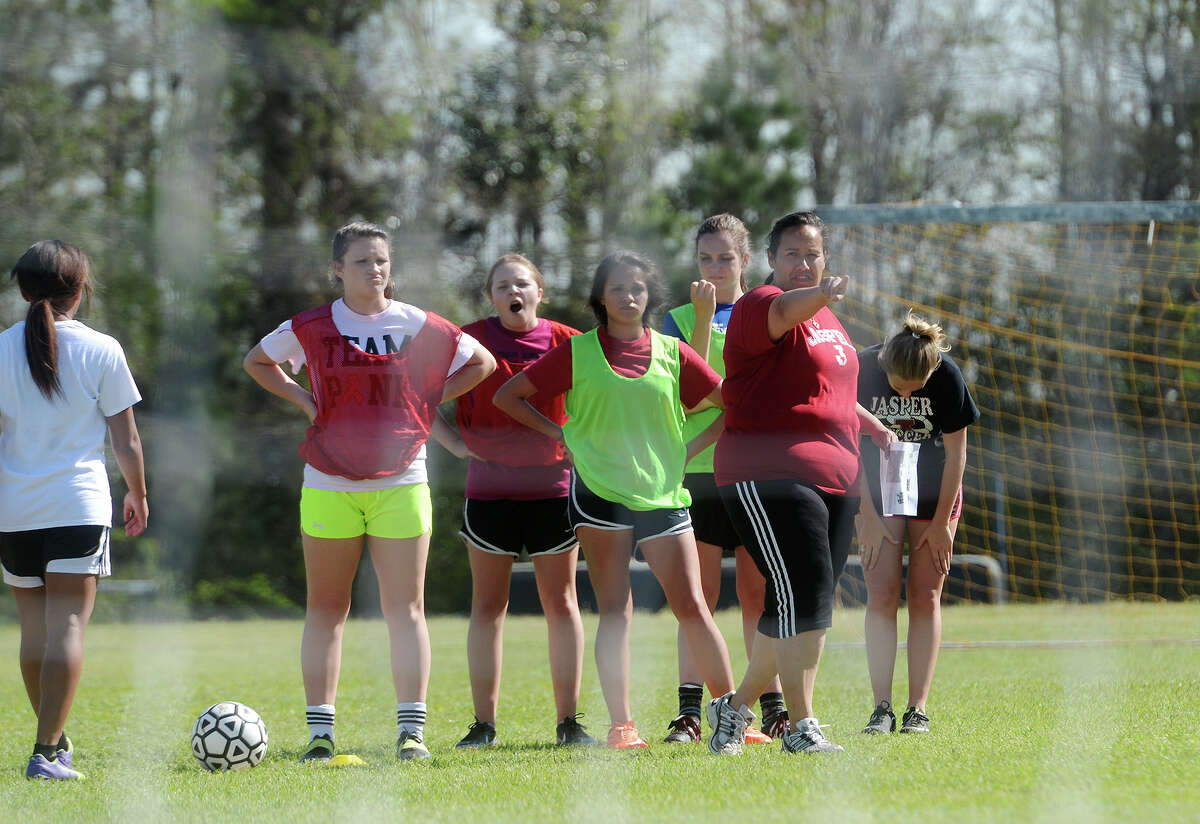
{"points": [[504, 527], [799, 538], [589, 509], [78, 550]]}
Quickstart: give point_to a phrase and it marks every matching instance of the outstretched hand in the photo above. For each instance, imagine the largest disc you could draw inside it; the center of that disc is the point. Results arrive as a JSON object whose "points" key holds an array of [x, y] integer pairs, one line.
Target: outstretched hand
{"points": [[833, 287]]}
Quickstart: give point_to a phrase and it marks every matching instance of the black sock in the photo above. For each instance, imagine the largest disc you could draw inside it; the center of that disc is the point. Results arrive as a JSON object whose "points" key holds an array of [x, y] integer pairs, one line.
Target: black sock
{"points": [[690, 696], [62, 741], [47, 751], [771, 704]]}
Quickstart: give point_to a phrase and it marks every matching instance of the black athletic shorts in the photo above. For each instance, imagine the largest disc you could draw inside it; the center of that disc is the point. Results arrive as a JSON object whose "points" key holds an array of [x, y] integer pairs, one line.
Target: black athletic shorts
{"points": [[799, 538], [710, 519], [589, 509], [28, 556], [504, 527]]}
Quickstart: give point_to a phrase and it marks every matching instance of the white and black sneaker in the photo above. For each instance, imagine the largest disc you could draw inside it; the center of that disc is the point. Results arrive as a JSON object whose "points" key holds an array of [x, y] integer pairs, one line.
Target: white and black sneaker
{"points": [[883, 720], [807, 737], [915, 720], [728, 724]]}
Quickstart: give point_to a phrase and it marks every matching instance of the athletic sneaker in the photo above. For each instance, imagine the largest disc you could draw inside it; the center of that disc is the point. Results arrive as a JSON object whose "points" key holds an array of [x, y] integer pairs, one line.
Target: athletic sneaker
{"points": [[808, 738], [728, 724], [410, 746], [42, 768], [63, 756], [756, 736], [883, 720], [625, 737], [570, 733], [774, 725], [914, 721], [480, 734], [684, 729], [320, 749]]}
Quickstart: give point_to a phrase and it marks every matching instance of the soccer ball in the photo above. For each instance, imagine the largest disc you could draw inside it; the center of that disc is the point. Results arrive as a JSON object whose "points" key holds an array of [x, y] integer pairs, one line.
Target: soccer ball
{"points": [[229, 736]]}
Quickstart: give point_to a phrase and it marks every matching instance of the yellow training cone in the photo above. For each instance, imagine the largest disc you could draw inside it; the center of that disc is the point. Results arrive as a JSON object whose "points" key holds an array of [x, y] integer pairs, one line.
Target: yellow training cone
{"points": [[345, 759]]}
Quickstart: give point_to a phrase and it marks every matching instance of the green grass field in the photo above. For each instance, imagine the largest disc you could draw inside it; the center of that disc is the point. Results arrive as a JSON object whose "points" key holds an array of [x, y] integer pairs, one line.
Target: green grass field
{"points": [[1034, 731]]}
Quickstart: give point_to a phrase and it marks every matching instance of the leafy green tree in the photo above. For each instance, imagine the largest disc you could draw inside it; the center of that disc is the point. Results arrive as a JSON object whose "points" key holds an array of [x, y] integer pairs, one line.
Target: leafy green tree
{"points": [[744, 152], [1124, 98], [80, 84], [887, 113], [556, 130]]}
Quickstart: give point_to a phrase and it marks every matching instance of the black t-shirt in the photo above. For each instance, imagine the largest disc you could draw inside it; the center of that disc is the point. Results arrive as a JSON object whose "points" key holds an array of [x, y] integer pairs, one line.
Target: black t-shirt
{"points": [[943, 405]]}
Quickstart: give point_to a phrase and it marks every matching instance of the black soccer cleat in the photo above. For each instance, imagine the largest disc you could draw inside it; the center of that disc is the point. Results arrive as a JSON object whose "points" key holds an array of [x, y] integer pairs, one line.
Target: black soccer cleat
{"points": [[570, 733], [480, 734]]}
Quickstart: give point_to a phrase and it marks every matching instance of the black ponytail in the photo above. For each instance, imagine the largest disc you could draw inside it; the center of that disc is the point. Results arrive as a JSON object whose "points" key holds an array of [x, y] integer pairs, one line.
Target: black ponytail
{"points": [[52, 275]]}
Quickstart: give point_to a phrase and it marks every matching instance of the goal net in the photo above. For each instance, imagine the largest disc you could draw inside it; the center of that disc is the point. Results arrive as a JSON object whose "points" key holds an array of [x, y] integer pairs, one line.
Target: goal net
{"points": [[1078, 330]]}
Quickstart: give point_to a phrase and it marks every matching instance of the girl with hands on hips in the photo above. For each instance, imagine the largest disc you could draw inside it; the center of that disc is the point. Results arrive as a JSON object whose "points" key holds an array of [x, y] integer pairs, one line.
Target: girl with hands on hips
{"points": [[626, 390], [378, 368]]}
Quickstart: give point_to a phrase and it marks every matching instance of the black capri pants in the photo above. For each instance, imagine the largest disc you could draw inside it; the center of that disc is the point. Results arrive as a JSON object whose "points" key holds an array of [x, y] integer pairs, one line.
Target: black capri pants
{"points": [[799, 538]]}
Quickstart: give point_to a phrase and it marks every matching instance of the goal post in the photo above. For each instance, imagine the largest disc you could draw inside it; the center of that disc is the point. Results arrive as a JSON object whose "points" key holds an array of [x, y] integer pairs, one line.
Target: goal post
{"points": [[1077, 326]]}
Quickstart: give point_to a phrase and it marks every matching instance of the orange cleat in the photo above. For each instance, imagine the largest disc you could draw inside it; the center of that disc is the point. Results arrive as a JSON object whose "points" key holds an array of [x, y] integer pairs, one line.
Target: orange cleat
{"points": [[757, 736], [625, 737]]}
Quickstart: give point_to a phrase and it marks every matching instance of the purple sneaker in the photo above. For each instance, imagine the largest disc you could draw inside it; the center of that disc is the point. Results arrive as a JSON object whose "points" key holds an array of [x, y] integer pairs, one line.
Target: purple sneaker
{"points": [[39, 767], [64, 756]]}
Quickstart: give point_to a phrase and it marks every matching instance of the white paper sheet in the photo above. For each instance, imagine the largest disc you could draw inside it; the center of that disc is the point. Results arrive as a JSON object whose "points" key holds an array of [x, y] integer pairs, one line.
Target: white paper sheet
{"points": [[898, 478]]}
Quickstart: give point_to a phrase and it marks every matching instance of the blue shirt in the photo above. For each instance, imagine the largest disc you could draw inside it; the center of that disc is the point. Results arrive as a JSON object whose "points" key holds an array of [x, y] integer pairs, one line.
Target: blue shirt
{"points": [[720, 322]]}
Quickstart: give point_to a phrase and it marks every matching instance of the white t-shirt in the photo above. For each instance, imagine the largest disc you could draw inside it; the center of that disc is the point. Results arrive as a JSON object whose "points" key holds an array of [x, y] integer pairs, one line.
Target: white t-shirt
{"points": [[378, 334], [52, 470]]}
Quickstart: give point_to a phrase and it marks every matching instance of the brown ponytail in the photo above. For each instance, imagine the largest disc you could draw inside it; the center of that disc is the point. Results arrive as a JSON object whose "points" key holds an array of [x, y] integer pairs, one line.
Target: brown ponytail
{"points": [[52, 275]]}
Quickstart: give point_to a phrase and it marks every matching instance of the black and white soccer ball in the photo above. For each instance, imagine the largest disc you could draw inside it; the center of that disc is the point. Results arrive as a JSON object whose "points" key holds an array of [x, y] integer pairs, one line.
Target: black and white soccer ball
{"points": [[229, 736]]}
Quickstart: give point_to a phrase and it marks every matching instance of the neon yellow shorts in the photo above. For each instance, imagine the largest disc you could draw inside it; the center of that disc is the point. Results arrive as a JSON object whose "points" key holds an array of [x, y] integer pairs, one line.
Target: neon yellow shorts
{"points": [[400, 512]]}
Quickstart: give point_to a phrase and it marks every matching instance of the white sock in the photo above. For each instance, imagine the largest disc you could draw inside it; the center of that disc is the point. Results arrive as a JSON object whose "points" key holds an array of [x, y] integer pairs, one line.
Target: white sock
{"points": [[410, 717], [320, 720]]}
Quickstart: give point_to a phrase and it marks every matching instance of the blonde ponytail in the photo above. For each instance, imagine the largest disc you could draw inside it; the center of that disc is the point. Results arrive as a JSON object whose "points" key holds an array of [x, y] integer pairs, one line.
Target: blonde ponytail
{"points": [[915, 351]]}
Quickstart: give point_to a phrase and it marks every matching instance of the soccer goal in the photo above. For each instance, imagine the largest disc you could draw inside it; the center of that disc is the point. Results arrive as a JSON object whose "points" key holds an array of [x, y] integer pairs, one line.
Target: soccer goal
{"points": [[1078, 329]]}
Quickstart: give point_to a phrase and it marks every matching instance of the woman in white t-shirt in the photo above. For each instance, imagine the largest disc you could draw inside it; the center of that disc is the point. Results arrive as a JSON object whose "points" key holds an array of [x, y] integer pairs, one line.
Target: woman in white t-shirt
{"points": [[65, 386], [378, 369]]}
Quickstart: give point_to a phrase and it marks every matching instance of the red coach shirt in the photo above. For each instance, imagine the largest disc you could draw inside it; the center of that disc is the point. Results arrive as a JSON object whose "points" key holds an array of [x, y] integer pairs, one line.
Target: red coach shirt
{"points": [[789, 404]]}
